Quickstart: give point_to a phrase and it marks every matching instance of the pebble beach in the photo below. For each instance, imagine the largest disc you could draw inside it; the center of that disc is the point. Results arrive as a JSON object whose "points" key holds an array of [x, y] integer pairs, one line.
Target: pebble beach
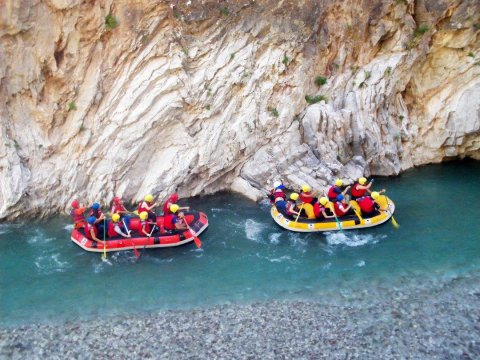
{"points": [[429, 321]]}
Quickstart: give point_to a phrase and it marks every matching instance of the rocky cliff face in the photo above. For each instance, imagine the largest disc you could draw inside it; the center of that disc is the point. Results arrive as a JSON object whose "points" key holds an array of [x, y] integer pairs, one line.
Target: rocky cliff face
{"points": [[126, 97]]}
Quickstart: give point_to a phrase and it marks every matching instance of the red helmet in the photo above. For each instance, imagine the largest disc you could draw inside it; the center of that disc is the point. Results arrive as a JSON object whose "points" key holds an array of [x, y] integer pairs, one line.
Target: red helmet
{"points": [[75, 204], [174, 198]]}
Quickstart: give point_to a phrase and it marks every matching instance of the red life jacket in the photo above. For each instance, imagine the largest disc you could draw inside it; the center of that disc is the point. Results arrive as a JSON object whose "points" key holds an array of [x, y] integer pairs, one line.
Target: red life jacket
{"points": [[332, 194], [290, 204], [307, 198], [111, 231], [88, 229], [147, 227], [366, 204], [171, 200], [96, 213], [279, 193], [338, 211], [168, 221], [117, 208], [77, 217], [141, 207], [358, 192], [317, 209]]}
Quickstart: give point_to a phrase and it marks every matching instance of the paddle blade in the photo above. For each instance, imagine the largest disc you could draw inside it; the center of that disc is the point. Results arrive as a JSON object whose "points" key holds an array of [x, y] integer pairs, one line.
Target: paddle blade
{"points": [[394, 223], [136, 252], [197, 242]]}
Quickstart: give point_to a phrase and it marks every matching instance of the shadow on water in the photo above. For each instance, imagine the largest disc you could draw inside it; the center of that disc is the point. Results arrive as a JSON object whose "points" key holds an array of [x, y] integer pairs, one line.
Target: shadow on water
{"points": [[246, 257]]}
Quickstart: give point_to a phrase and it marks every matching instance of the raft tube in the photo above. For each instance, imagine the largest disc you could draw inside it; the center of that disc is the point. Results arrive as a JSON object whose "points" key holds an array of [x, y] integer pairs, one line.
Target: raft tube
{"points": [[318, 225], [197, 221]]}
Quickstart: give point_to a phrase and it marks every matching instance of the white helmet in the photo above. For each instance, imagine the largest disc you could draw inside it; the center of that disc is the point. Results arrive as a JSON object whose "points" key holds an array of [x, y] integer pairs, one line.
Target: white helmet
{"points": [[276, 184]]}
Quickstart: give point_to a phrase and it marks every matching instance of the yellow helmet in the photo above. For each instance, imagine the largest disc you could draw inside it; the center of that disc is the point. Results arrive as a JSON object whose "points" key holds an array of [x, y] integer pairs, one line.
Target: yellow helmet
{"points": [[338, 182], [143, 215], [375, 195], [294, 196], [115, 217], [148, 198], [362, 181], [323, 201], [306, 188], [174, 208]]}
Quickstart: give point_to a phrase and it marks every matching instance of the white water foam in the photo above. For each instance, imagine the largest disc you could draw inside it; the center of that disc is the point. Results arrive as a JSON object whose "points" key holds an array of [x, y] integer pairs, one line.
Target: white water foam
{"points": [[50, 263], [275, 238], [361, 263], [281, 259], [350, 239], [68, 227], [36, 236], [253, 229]]}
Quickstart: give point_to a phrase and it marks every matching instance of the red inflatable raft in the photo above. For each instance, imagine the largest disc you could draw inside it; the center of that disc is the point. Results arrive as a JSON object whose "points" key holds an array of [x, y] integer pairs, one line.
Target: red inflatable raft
{"points": [[197, 221]]}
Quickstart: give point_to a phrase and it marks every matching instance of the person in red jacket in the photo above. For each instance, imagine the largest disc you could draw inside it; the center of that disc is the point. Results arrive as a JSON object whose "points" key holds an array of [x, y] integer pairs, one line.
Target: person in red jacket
{"points": [[360, 188], [336, 190], [277, 192], [172, 200], [367, 205], [77, 214], [320, 209], [306, 196], [145, 225], [172, 221], [341, 209], [116, 229], [91, 231], [119, 208]]}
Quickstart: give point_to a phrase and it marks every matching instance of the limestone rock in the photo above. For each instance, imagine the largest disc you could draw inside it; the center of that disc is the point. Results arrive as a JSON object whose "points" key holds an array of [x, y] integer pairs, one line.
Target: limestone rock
{"points": [[125, 98]]}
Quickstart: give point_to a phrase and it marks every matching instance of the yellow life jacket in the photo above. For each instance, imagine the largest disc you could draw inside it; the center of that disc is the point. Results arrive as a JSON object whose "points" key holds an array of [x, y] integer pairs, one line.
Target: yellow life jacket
{"points": [[382, 202]]}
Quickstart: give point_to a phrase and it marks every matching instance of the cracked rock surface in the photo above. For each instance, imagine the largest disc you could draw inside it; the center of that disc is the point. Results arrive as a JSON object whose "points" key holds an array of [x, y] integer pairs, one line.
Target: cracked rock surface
{"points": [[207, 95]]}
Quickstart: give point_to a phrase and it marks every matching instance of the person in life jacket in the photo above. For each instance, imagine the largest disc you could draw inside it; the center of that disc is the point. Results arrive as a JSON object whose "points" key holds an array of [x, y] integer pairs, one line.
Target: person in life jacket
{"points": [[291, 208], [306, 195], [119, 208], [96, 212], [147, 206], [172, 221], [359, 188], [116, 228], [173, 199], [77, 214], [381, 200], [277, 192], [91, 231], [336, 190], [340, 207], [145, 225], [320, 209], [367, 205]]}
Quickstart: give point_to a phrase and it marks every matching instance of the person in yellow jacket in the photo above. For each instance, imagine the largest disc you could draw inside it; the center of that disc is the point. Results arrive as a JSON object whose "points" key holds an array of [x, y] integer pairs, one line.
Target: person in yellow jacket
{"points": [[381, 200]]}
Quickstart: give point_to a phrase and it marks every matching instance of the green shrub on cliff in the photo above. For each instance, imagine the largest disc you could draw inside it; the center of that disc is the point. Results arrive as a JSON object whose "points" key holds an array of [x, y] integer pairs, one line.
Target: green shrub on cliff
{"points": [[110, 22], [273, 111], [315, 99], [71, 106], [421, 30], [320, 80]]}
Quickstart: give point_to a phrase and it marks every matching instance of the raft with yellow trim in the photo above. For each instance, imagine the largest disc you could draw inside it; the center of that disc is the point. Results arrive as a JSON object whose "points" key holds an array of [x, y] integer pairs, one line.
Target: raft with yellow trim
{"points": [[348, 222]]}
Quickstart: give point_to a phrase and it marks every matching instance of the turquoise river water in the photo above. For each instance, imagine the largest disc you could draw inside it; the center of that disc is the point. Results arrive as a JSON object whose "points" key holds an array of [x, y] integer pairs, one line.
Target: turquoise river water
{"points": [[246, 257]]}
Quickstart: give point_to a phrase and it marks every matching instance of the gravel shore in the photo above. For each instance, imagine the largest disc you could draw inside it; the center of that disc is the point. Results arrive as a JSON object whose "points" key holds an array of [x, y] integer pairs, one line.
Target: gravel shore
{"points": [[439, 323]]}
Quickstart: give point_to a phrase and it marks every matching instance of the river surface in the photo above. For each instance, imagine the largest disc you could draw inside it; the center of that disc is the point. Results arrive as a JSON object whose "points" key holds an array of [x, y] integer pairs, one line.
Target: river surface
{"points": [[246, 257]]}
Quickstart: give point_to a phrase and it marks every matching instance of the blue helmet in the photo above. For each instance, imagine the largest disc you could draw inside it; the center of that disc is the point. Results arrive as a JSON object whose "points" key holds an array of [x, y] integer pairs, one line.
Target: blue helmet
{"points": [[91, 220], [339, 197], [96, 206]]}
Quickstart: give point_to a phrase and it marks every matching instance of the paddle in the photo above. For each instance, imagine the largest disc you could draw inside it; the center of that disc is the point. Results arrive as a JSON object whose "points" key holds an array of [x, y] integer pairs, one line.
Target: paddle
{"points": [[352, 203], [299, 212], [104, 256], [394, 223], [153, 229], [195, 238], [133, 242], [336, 218]]}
